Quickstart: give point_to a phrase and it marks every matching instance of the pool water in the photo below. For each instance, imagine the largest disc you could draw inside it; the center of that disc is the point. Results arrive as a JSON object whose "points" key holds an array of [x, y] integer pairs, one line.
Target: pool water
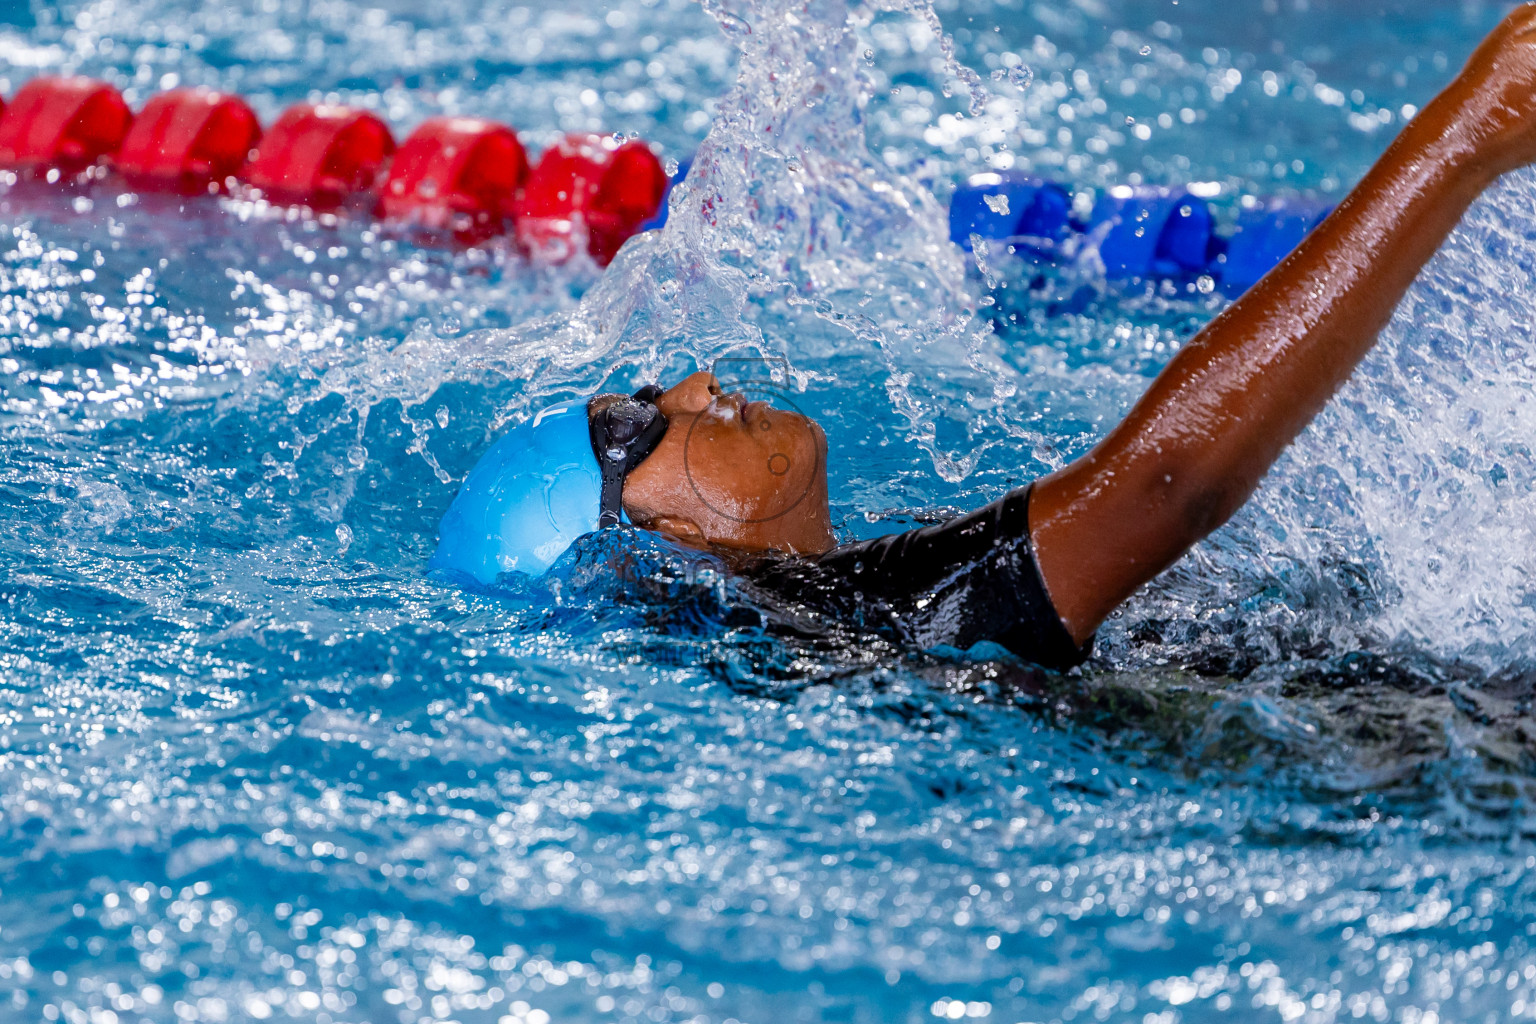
{"points": [[256, 764]]}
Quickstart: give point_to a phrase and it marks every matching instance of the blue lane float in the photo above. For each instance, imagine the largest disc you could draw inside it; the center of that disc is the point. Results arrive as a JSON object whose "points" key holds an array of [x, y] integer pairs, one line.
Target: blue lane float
{"points": [[1151, 232], [1027, 212], [1265, 236], [1139, 232], [659, 218]]}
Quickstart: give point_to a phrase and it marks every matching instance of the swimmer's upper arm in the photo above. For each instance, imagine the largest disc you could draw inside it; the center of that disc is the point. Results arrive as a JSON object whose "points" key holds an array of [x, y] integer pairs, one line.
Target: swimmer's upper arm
{"points": [[1195, 446]]}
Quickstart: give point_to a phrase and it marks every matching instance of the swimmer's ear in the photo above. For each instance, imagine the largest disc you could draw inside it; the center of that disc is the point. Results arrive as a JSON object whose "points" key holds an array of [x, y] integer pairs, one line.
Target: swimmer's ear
{"points": [[679, 528]]}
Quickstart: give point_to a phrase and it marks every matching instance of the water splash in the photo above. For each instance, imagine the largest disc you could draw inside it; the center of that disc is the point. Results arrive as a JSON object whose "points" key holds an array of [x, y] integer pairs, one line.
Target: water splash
{"points": [[1407, 513], [790, 241]]}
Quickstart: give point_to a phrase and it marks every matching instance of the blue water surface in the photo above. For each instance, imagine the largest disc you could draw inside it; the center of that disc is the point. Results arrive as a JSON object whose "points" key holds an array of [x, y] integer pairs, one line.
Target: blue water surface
{"points": [[257, 764]]}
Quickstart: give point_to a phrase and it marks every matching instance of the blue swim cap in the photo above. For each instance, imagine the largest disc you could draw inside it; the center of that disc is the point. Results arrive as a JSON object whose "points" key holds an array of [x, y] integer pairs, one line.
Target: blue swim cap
{"points": [[545, 483]]}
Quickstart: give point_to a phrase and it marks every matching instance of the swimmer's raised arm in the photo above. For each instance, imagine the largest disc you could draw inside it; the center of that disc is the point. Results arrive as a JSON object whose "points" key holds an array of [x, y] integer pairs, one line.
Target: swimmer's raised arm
{"points": [[1195, 446]]}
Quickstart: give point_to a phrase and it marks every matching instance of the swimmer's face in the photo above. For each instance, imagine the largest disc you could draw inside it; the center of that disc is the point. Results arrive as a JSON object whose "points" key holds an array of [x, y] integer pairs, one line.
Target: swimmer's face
{"points": [[733, 473]]}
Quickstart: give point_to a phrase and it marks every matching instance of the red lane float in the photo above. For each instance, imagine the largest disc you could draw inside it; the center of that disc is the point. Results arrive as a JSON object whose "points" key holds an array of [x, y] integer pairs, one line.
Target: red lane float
{"points": [[588, 190], [455, 175], [63, 124], [320, 156], [189, 141]]}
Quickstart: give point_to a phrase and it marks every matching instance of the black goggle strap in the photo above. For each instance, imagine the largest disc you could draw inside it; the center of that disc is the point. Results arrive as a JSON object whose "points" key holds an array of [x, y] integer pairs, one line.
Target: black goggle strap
{"points": [[623, 433]]}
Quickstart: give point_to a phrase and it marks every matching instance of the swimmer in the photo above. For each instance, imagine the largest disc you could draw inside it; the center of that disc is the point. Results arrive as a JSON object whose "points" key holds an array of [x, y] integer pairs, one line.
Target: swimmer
{"points": [[1039, 569]]}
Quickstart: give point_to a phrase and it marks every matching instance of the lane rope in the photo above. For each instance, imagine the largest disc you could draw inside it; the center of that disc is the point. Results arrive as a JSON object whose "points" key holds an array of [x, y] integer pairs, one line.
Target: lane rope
{"points": [[462, 179], [465, 180]]}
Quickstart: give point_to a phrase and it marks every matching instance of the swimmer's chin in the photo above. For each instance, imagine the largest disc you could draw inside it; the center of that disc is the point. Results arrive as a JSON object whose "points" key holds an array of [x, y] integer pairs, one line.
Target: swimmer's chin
{"points": [[683, 531], [686, 532]]}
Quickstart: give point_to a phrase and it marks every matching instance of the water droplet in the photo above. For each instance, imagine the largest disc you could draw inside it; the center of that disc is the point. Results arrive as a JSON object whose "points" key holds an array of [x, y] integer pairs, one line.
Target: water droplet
{"points": [[442, 416], [1206, 283], [998, 204], [730, 23], [344, 537], [1146, 51], [1021, 75], [869, 57]]}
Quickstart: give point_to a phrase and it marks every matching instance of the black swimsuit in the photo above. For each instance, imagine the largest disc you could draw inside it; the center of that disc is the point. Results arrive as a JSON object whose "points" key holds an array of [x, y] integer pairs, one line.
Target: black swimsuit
{"points": [[958, 583]]}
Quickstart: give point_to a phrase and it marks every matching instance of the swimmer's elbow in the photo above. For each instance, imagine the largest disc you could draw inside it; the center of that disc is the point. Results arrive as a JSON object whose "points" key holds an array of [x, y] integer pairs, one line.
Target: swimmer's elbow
{"points": [[1207, 508], [1195, 504], [1101, 535]]}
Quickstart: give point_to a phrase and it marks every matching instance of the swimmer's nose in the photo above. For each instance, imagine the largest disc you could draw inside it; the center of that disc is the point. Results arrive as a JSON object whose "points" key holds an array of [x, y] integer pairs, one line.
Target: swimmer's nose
{"points": [[691, 396]]}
